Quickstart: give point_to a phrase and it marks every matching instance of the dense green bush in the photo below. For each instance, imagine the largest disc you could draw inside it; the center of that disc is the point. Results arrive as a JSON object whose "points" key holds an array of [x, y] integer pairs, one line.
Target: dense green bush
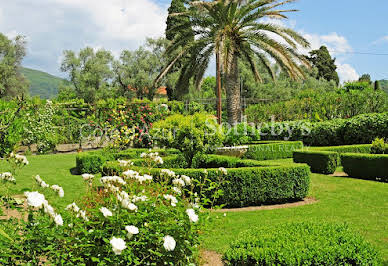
{"points": [[316, 105], [90, 163], [11, 127], [379, 146], [365, 128], [249, 186], [190, 134], [242, 133], [301, 244], [323, 162], [272, 151], [360, 129], [360, 148], [366, 166]]}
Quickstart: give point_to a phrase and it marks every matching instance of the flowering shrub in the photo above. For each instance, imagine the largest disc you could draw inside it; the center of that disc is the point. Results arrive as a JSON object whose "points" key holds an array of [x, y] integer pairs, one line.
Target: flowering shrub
{"points": [[130, 220], [40, 128]]}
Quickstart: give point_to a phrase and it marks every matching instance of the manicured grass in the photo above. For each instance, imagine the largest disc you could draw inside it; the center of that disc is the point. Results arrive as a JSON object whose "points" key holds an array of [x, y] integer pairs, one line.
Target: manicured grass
{"points": [[360, 203], [53, 169]]}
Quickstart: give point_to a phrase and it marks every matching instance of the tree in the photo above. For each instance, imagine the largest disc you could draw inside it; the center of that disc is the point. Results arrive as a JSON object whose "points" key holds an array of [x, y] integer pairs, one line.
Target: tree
{"points": [[377, 85], [236, 30], [176, 27], [365, 78], [89, 72], [321, 59], [12, 81], [136, 71]]}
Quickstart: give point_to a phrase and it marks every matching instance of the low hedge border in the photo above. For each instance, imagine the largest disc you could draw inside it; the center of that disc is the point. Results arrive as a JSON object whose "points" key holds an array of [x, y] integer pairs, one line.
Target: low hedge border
{"points": [[246, 186], [305, 243], [92, 162], [324, 162], [272, 151], [366, 166], [263, 150]]}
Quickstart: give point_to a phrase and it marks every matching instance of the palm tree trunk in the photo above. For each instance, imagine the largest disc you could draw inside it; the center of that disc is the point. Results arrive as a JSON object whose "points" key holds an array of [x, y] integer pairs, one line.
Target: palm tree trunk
{"points": [[232, 85], [218, 82]]}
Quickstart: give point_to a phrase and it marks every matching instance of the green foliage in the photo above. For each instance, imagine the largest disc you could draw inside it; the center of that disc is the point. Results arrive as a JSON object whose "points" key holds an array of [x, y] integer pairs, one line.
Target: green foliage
{"points": [[190, 134], [360, 129], [216, 161], [323, 162], [242, 133], [384, 85], [272, 151], [301, 244], [246, 186], [39, 128], [361, 148], [85, 238], [12, 52], [366, 166], [89, 72], [90, 163], [326, 66], [379, 146], [11, 126], [319, 105], [42, 84], [357, 86], [365, 78]]}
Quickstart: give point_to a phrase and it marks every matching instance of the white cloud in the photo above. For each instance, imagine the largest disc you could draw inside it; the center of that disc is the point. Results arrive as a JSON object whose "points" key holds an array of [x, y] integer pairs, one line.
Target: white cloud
{"points": [[52, 26], [334, 42], [123, 19], [347, 73]]}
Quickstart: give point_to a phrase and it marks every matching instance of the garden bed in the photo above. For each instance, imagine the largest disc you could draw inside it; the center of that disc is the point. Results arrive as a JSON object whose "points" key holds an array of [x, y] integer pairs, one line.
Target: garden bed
{"points": [[246, 183]]}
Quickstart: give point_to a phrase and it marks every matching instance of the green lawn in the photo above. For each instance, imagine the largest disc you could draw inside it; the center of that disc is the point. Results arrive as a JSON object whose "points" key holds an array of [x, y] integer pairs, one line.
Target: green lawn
{"points": [[362, 204]]}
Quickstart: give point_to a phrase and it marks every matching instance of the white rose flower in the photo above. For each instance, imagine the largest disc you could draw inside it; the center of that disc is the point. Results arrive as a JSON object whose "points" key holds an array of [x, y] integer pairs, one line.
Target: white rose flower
{"points": [[169, 243], [58, 219], [178, 182], [87, 177], [171, 198], [118, 245], [192, 216], [106, 212], [132, 230], [186, 179], [223, 170], [34, 199], [177, 190]]}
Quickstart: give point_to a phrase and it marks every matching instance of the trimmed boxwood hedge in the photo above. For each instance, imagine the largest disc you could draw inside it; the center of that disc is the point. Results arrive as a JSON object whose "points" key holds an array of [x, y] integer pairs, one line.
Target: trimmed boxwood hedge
{"points": [[301, 244], [272, 151], [360, 148], [92, 162], [359, 129], [323, 162], [366, 166], [248, 186]]}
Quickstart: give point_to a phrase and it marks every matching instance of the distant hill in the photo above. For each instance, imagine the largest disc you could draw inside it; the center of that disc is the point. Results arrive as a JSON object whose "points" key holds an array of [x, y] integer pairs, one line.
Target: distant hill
{"points": [[42, 84], [384, 85]]}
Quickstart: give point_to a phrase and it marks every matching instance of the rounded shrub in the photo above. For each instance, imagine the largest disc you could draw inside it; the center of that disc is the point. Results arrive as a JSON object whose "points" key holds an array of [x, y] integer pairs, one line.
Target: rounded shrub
{"points": [[190, 134], [301, 244], [242, 133]]}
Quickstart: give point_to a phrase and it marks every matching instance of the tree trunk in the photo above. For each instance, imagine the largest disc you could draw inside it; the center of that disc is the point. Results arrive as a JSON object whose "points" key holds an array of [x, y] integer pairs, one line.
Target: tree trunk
{"points": [[218, 82], [232, 85]]}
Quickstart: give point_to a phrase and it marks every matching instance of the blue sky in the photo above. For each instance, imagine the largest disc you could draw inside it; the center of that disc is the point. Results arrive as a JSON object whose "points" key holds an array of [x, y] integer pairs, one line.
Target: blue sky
{"points": [[347, 27]]}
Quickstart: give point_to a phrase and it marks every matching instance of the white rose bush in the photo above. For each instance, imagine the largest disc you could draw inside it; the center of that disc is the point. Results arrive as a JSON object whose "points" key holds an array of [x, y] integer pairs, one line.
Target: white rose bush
{"points": [[129, 220]]}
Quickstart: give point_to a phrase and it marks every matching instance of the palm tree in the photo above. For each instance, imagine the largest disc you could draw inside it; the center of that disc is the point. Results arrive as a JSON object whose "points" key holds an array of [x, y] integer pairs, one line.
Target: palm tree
{"points": [[236, 30]]}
